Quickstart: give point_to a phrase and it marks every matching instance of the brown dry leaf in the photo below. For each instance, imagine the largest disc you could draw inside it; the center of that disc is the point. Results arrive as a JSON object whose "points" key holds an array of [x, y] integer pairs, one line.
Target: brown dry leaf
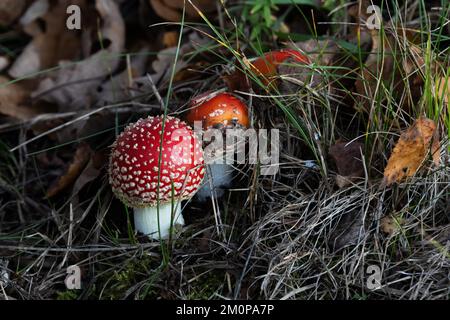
{"points": [[170, 39], [172, 10], [52, 41], [163, 64], [14, 100], [10, 10], [80, 160], [133, 83], [411, 151], [74, 86], [349, 163], [190, 72], [124, 85], [91, 171]]}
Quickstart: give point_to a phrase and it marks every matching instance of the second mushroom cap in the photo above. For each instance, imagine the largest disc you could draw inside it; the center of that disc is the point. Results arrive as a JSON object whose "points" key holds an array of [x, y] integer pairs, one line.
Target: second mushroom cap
{"points": [[218, 110]]}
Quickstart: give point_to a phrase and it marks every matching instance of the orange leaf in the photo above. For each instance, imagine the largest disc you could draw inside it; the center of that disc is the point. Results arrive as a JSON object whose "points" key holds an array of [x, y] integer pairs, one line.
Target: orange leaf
{"points": [[170, 39], [411, 151]]}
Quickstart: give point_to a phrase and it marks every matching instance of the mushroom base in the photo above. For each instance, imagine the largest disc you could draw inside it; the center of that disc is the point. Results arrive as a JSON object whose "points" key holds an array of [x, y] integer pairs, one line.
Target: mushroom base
{"points": [[219, 177], [146, 220]]}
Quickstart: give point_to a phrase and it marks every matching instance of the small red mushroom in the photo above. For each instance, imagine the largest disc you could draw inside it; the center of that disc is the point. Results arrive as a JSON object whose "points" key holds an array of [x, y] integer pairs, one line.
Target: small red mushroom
{"points": [[141, 172], [219, 110], [265, 68]]}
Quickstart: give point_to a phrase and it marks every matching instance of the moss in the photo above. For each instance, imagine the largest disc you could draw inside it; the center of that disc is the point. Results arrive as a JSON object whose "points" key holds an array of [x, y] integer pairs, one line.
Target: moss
{"points": [[67, 295], [119, 282], [206, 286]]}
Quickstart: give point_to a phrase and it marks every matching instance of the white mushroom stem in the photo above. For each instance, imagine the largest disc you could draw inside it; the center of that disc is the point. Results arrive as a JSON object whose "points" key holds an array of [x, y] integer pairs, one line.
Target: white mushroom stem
{"points": [[146, 220], [219, 176]]}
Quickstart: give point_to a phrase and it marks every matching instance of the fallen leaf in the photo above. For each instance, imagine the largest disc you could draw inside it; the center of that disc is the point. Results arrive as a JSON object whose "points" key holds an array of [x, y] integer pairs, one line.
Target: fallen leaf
{"points": [[125, 85], [349, 163], [80, 160], [52, 41], [170, 39], [411, 151], [14, 100], [10, 10], [36, 10], [163, 64], [236, 81], [190, 72], [74, 85], [91, 171], [172, 10]]}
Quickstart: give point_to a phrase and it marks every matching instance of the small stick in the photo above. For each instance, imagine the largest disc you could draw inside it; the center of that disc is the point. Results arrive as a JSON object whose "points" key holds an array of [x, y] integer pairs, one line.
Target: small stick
{"points": [[155, 91]]}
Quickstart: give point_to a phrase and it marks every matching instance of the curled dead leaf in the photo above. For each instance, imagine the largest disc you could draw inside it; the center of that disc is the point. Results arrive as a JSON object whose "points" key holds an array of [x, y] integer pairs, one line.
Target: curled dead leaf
{"points": [[14, 100], [52, 41], [164, 62], [74, 85], [411, 151], [80, 160], [124, 85], [91, 170]]}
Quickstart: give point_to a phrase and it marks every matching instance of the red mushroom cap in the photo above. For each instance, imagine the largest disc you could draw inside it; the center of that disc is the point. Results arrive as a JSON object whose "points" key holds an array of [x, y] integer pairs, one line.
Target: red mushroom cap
{"points": [[218, 110], [134, 170], [267, 65]]}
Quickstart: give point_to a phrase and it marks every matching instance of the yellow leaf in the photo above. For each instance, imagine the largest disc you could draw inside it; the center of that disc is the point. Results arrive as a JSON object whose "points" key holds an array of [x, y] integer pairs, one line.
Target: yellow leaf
{"points": [[412, 150]]}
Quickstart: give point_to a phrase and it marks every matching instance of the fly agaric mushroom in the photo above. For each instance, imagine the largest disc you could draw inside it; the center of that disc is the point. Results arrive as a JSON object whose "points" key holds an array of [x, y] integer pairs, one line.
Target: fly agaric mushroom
{"points": [[143, 175], [267, 65], [218, 110], [265, 68]]}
